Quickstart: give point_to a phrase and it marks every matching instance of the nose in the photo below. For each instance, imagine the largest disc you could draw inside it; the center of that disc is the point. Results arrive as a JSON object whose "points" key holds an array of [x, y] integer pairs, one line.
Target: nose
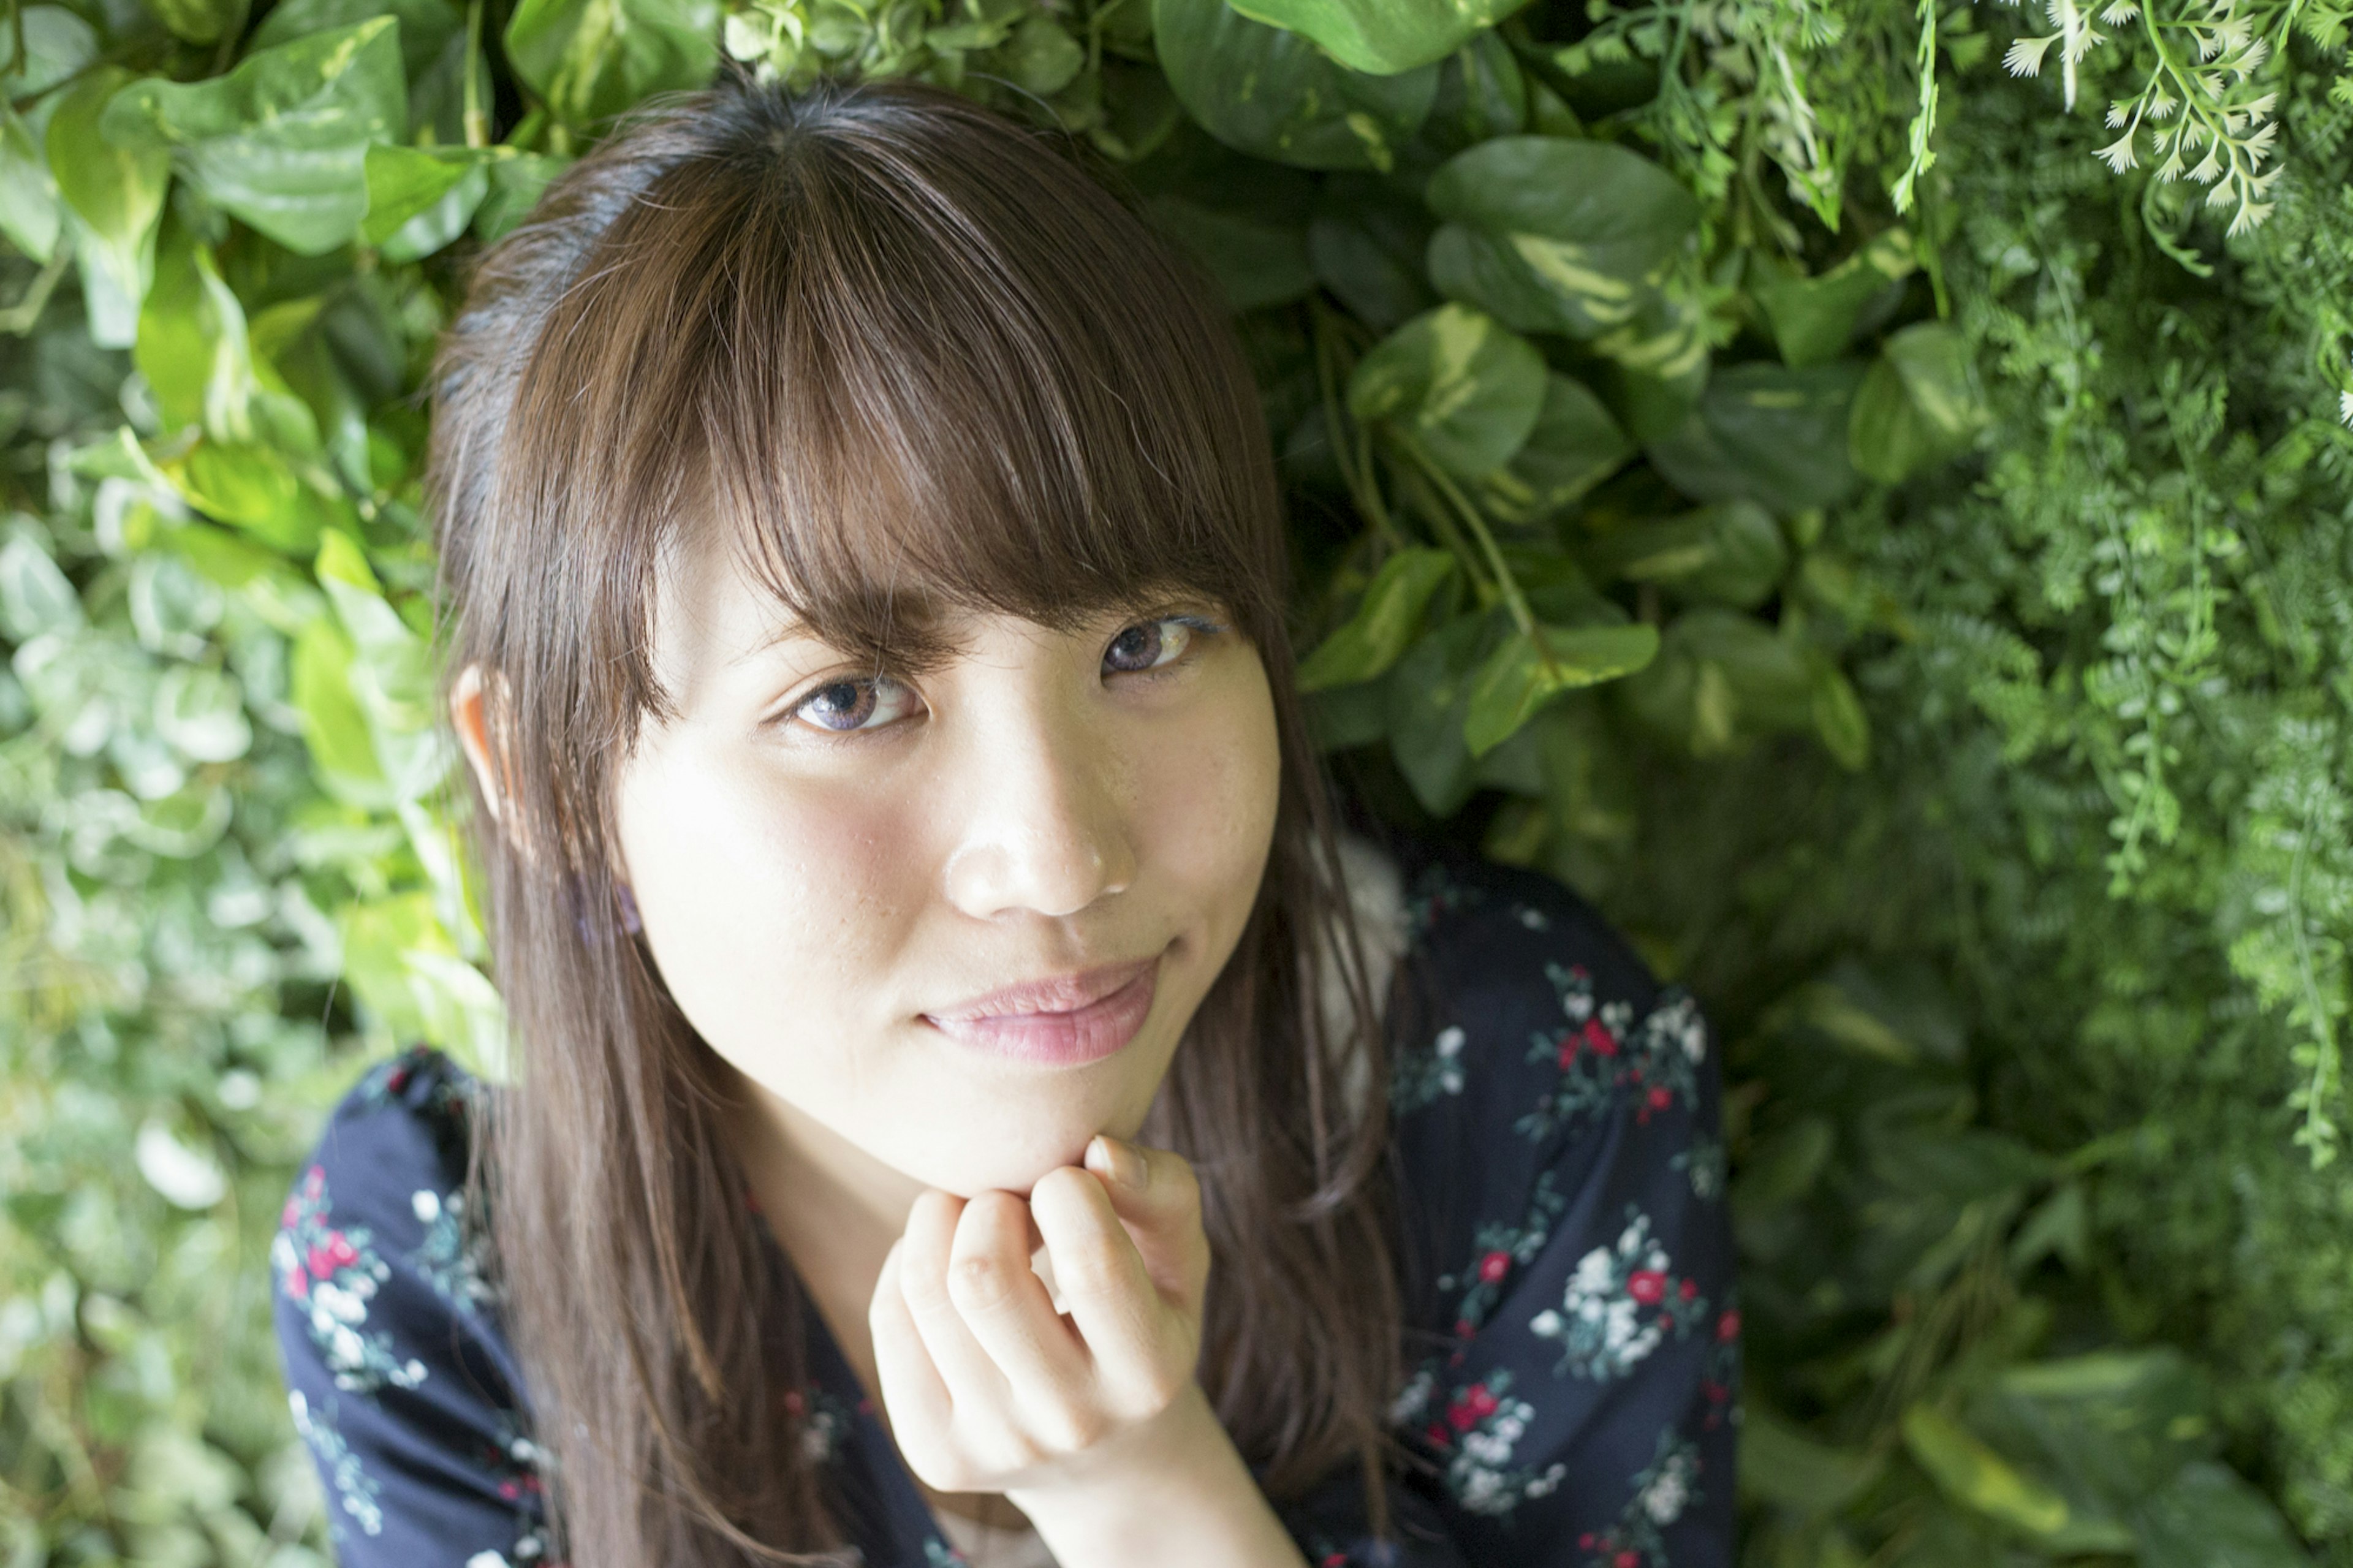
{"points": [[1039, 801]]}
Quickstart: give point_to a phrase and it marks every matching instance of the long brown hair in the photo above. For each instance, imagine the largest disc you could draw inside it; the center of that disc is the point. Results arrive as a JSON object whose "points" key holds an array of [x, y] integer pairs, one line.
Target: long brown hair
{"points": [[888, 340]]}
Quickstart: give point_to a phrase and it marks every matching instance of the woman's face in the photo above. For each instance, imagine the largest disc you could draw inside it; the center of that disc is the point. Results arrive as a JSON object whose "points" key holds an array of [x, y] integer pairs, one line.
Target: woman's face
{"points": [[825, 862]]}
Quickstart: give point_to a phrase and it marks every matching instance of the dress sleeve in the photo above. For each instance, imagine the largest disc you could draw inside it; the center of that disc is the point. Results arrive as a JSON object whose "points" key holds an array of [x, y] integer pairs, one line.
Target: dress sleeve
{"points": [[397, 1376], [1568, 1257]]}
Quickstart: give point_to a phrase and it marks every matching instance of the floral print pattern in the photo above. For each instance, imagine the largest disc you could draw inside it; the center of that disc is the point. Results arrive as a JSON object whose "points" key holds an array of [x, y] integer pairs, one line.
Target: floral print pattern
{"points": [[1621, 1302], [1573, 1402]]}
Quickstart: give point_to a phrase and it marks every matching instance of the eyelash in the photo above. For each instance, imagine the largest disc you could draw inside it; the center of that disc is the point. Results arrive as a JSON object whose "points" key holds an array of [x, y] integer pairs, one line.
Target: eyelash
{"points": [[784, 717]]}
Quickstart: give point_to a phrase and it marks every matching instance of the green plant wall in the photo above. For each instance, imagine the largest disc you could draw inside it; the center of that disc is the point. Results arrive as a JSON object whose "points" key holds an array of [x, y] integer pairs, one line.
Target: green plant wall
{"points": [[1861, 490]]}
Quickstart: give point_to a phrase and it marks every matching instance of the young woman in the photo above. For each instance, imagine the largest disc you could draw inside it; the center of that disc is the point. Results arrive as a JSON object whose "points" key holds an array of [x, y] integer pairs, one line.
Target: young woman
{"points": [[974, 1103]]}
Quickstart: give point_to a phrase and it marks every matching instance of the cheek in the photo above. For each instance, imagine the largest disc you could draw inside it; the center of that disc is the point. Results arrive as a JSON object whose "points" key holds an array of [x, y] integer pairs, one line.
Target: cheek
{"points": [[760, 903], [1209, 792]]}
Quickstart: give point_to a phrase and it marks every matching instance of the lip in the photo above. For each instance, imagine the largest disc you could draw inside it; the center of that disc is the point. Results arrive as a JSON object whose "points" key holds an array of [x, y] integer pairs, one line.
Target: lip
{"points": [[1062, 1021]]}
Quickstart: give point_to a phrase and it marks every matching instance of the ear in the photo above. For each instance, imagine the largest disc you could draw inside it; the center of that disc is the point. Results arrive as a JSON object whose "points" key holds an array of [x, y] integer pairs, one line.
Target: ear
{"points": [[479, 710]]}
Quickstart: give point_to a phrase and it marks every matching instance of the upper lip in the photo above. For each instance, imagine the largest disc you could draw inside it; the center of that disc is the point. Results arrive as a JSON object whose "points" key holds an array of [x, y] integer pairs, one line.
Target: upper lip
{"points": [[1054, 994]]}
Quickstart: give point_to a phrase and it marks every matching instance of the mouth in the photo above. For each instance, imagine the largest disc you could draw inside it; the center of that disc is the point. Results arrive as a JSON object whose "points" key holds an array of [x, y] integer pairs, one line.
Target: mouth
{"points": [[1015, 1026]]}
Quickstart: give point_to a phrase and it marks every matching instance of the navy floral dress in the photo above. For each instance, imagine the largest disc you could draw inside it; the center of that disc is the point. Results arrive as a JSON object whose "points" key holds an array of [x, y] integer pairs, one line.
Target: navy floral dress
{"points": [[1573, 1334]]}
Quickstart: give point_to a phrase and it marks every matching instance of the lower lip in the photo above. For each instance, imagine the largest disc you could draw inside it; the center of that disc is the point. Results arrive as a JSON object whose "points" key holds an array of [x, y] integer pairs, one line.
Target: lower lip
{"points": [[1060, 1040]]}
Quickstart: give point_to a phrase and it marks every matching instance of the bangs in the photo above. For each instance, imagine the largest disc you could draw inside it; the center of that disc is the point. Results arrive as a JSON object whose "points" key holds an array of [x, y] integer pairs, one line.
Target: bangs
{"points": [[900, 382]]}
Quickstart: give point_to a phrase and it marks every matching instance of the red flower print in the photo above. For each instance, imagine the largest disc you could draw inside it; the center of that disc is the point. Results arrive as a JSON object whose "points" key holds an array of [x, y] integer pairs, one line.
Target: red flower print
{"points": [[290, 1213], [1661, 1096], [1687, 1290], [1603, 1041], [1585, 1541], [1727, 1327], [1627, 1558], [1568, 1051], [1647, 1286], [298, 1284], [1715, 1392], [1470, 1406], [794, 1403], [1493, 1266], [1464, 1327]]}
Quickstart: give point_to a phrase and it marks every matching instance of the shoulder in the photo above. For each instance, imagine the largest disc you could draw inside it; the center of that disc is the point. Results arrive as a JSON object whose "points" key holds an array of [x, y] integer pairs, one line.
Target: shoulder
{"points": [[377, 1210], [1514, 981]]}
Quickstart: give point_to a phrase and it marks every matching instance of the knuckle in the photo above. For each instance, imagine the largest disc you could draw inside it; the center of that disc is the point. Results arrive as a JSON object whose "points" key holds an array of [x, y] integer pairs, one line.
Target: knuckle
{"points": [[1092, 1271], [977, 1282]]}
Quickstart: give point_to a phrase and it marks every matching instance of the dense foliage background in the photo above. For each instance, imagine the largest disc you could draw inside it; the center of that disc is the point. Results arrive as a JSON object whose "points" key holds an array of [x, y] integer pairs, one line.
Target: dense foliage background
{"points": [[1857, 488]]}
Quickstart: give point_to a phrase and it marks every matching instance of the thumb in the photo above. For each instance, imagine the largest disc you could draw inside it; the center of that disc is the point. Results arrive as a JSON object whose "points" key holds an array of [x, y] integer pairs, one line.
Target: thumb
{"points": [[1157, 1199]]}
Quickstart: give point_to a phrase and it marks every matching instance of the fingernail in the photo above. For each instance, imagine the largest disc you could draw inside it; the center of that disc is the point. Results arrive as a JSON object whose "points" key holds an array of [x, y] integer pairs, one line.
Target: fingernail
{"points": [[1118, 1159]]}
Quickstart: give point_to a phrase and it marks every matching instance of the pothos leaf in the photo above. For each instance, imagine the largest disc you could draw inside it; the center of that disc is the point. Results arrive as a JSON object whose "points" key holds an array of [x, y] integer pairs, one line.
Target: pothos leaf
{"points": [[1534, 667]]}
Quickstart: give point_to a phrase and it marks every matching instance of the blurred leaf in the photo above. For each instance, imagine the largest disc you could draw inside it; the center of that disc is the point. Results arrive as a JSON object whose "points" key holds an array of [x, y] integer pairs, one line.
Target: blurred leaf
{"points": [[1973, 1474], [1385, 622], [29, 213], [1383, 37], [2208, 1518], [1573, 446], [1767, 433], [1782, 1464], [1551, 235], [1813, 318], [115, 196], [1275, 95], [420, 199], [1731, 553], [281, 141], [1255, 264], [1429, 703], [1463, 389], [1531, 667], [590, 59], [1918, 405]]}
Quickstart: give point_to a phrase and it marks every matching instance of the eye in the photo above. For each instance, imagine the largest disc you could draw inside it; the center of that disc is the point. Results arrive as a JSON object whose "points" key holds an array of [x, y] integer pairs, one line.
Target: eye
{"points": [[1156, 644], [844, 707]]}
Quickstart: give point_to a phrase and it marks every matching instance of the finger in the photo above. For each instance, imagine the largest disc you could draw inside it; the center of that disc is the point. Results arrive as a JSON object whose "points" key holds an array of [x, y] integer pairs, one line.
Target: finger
{"points": [[975, 1387], [1131, 1335], [1157, 1197], [1006, 1306], [914, 1397]]}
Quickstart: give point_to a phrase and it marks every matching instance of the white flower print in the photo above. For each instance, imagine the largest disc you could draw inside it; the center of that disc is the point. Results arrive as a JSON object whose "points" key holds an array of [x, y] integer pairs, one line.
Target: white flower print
{"points": [[1620, 1302]]}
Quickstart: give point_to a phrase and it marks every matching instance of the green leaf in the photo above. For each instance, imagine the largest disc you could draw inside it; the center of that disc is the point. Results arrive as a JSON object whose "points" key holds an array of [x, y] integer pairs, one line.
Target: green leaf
{"points": [[432, 51], [30, 211], [1481, 94], [333, 721], [1384, 623], [200, 21], [1814, 318], [1255, 263], [196, 352], [1455, 383], [1429, 700], [1976, 1477], [1918, 406], [2116, 1424], [201, 713], [1573, 445], [57, 43], [1384, 37], [1768, 433], [1721, 678], [1839, 717], [1729, 553], [1548, 234], [2208, 1518], [1531, 668], [1366, 244], [1274, 94], [1782, 1464], [420, 199], [252, 487], [115, 196], [591, 59], [281, 141], [515, 185], [34, 596]]}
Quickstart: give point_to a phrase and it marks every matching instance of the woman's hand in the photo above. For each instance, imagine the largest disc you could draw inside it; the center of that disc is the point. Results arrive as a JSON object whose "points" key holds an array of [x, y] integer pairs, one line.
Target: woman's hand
{"points": [[988, 1387]]}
